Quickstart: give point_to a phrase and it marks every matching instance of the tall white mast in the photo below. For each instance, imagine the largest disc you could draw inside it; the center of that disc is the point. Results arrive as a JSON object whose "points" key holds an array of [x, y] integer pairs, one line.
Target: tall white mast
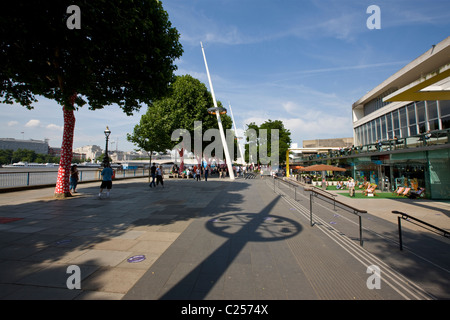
{"points": [[219, 121], [235, 132]]}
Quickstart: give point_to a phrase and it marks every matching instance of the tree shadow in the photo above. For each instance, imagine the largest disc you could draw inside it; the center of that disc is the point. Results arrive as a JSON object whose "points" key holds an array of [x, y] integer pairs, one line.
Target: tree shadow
{"points": [[239, 229], [45, 231]]}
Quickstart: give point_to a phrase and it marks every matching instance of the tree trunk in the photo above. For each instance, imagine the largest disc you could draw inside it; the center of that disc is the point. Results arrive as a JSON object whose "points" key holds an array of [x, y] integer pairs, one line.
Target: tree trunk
{"points": [[62, 182]]}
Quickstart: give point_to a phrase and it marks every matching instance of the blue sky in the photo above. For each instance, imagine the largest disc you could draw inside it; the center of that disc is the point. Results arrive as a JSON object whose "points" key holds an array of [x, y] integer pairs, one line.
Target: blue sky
{"points": [[300, 61]]}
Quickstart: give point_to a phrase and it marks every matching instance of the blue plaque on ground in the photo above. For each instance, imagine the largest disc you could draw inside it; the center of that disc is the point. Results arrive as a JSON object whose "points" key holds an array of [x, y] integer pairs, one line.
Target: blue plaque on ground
{"points": [[135, 259]]}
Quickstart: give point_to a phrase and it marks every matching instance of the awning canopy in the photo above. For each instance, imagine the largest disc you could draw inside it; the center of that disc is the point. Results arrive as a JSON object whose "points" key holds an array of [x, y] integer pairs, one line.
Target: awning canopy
{"points": [[433, 86]]}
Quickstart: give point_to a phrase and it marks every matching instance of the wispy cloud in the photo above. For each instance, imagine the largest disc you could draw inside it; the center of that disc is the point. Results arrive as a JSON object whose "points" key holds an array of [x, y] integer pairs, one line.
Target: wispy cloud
{"points": [[33, 123], [339, 69], [53, 126]]}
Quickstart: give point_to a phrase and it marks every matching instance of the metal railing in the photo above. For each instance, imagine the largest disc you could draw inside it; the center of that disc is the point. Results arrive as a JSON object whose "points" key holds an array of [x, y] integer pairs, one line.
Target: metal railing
{"points": [[419, 223], [315, 192], [433, 138], [17, 179]]}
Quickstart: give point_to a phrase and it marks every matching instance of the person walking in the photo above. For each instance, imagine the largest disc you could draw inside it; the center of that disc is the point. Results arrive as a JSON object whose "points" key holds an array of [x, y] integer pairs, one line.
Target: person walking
{"points": [[351, 187], [206, 173], [153, 173], [73, 178], [107, 174], [159, 176], [197, 174]]}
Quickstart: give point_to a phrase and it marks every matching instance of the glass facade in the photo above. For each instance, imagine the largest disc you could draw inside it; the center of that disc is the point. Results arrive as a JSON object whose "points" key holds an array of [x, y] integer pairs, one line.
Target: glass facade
{"points": [[410, 120]]}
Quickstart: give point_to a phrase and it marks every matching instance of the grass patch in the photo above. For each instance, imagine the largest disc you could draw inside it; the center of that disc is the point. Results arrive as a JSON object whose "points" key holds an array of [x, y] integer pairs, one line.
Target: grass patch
{"points": [[379, 195]]}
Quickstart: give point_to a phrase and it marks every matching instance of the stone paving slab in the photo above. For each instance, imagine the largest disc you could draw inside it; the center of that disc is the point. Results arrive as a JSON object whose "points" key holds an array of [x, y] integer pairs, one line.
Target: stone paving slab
{"points": [[201, 240], [239, 252]]}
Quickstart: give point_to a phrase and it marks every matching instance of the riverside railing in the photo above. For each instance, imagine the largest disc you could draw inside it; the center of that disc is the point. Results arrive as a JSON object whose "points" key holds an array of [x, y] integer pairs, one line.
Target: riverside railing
{"points": [[17, 179]]}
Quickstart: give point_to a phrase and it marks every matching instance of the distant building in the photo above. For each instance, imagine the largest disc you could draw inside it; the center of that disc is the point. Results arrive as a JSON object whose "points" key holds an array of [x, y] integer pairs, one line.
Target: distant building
{"points": [[89, 152], [332, 143], [38, 146]]}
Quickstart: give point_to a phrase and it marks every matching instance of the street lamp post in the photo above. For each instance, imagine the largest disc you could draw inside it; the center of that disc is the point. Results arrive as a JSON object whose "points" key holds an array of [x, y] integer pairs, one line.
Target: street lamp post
{"points": [[106, 157]]}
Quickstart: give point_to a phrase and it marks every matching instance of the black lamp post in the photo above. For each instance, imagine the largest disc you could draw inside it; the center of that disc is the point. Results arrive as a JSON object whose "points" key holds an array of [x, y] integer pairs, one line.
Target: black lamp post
{"points": [[106, 158]]}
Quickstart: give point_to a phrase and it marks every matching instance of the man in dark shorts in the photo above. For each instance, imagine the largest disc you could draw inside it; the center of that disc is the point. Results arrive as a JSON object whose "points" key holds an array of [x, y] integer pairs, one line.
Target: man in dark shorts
{"points": [[107, 174], [153, 173]]}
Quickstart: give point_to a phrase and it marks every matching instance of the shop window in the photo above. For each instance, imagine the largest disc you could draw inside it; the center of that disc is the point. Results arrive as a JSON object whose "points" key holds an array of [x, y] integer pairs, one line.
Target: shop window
{"points": [[444, 108], [432, 110], [404, 132], [411, 114], [420, 109], [433, 124], [422, 127], [446, 122], [378, 124], [383, 127], [374, 133]]}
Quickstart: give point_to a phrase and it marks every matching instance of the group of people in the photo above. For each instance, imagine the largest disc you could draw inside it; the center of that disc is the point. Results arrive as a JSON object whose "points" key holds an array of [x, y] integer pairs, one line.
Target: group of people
{"points": [[156, 172], [107, 176]]}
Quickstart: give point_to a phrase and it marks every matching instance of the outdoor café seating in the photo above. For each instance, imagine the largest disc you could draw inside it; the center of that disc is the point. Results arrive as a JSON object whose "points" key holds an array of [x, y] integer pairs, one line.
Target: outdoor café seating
{"points": [[370, 191]]}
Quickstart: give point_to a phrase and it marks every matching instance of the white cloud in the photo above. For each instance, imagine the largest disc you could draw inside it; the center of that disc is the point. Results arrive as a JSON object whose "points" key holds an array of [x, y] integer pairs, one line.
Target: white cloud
{"points": [[33, 123], [12, 123], [52, 126]]}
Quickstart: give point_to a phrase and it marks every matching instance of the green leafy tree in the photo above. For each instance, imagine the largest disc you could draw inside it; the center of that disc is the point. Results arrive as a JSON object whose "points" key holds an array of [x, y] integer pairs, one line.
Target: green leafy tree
{"points": [[152, 134], [24, 155], [269, 125], [187, 102], [6, 156], [123, 54]]}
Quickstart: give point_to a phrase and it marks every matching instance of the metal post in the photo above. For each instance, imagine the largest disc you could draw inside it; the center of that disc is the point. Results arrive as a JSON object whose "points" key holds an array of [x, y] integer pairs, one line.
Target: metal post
{"points": [[400, 232], [310, 208], [295, 193], [360, 231]]}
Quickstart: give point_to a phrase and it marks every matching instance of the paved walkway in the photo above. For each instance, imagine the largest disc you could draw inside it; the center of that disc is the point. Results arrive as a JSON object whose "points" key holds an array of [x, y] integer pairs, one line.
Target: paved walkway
{"points": [[213, 240]]}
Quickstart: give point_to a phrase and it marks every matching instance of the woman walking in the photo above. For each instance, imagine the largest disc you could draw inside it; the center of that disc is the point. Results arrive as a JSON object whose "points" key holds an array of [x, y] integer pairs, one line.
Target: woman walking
{"points": [[159, 176], [73, 178]]}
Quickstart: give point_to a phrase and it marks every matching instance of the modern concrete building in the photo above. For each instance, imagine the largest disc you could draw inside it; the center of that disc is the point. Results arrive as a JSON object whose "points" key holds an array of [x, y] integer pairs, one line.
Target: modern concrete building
{"points": [[412, 108], [332, 143], [412, 101], [38, 146], [402, 129]]}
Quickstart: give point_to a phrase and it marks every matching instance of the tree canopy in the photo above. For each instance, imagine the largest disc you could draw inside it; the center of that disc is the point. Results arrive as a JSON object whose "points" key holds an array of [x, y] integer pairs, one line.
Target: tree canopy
{"points": [[120, 52], [153, 132], [261, 141], [187, 102]]}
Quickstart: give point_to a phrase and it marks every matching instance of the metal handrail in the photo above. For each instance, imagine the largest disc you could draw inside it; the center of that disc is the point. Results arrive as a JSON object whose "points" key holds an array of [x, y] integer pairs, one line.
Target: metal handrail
{"points": [[48, 177], [313, 190], [406, 216], [409, 142]]}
